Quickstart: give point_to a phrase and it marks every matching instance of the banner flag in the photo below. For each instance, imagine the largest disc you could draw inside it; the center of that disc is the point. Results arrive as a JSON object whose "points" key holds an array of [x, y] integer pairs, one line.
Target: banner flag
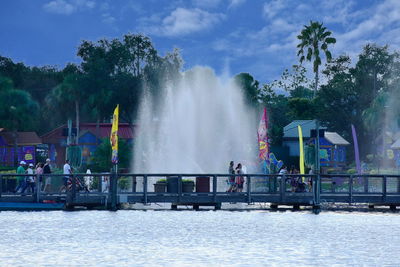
{"points": [[263, 137], [114, 136], [301, 147], [356, 150]]}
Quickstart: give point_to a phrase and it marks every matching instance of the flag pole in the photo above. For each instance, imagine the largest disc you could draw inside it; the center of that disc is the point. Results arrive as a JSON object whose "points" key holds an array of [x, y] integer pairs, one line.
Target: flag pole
{"points": [[114, 158]]}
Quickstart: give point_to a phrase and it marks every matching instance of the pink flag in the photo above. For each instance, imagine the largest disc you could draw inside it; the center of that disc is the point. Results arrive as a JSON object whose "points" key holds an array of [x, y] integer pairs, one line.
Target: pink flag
{"points": [[263, 137]]}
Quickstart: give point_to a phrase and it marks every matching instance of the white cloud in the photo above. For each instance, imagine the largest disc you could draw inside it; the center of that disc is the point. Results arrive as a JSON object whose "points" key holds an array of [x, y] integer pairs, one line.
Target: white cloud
{"points": [[235, 3], [59, 7], [206, 3], [68, 7], [183, 21], [272, 8], [377, 27], [108, 19]]}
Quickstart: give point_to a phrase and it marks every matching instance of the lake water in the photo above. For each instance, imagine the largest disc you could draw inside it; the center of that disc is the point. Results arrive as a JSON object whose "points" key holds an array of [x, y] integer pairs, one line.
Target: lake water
{"points": [[204, 238]]}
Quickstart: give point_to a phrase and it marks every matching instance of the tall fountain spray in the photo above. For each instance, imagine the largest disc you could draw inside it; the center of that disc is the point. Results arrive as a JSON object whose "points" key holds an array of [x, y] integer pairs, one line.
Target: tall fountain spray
{"points": [[198, 126]]}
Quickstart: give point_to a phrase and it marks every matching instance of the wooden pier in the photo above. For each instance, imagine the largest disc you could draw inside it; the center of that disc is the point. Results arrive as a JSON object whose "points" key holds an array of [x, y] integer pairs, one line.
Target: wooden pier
{"points": [[110, 191]]}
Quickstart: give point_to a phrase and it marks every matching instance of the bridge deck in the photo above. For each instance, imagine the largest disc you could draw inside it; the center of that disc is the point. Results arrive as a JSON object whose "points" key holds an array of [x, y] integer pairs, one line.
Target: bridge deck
{"points": [[373, 190]]}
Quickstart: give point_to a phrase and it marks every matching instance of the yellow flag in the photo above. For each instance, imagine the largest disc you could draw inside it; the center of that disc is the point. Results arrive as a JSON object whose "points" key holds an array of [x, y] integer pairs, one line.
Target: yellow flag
{"points": [[114, 136], [301, 147]]}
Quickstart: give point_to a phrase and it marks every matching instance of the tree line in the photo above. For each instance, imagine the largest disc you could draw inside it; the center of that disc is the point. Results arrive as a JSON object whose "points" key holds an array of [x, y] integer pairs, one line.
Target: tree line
{"points": [[121, 70]]}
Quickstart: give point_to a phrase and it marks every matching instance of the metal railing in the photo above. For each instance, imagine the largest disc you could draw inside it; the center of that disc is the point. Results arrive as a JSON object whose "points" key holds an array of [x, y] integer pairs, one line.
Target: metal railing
{"points": [[146, 188]]}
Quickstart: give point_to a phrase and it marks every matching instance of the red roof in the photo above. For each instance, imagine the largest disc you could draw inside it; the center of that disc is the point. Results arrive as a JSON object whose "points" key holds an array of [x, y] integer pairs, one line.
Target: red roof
{"points": [[24, 138], [125, 131]]}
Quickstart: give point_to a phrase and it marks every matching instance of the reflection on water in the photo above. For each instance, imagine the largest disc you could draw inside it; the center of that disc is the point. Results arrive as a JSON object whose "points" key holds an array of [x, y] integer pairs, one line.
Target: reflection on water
{"points": [[188, 238]]}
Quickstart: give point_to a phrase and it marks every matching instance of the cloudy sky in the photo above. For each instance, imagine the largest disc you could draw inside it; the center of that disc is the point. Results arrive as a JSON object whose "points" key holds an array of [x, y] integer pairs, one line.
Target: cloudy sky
{"points": [[254, 36]]}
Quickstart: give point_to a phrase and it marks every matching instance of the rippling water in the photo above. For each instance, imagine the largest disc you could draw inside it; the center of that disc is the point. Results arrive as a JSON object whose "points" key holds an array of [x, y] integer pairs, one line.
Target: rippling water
{"points": [[188, 238]]}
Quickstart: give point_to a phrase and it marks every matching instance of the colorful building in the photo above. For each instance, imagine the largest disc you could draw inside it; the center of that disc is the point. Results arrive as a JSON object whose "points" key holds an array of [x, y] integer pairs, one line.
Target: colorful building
{"points": [[332, 145], [27, 143], [89, 138]]}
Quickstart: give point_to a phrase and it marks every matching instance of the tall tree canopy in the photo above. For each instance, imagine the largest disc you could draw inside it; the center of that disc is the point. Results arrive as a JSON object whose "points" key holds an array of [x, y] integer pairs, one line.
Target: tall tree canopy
{"points": [[313, 38]]}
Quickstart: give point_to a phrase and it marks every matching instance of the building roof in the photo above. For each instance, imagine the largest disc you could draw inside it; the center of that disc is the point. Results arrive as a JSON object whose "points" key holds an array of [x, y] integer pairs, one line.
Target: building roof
{"points": [[24, 138], [336, 139], [125, 131], [396, 145], [290, 130]]}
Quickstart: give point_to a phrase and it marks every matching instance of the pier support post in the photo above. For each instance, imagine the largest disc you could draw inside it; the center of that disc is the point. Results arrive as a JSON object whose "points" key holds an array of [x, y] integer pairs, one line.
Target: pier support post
{"points": [[316, 209], [71, 194], [214, 188], [145, 189], [316, 193], [113, 191], [248, 190], [392, 207]]}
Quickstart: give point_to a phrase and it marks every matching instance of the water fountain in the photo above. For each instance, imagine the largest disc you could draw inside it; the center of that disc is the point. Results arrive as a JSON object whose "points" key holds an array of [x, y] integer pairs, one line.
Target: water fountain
{"points": [[200, 124]]}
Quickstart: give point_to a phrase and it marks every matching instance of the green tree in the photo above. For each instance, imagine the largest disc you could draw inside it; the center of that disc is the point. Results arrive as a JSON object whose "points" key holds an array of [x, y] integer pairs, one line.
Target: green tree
{"points": [[68, 95], [294, 80], [19, 112], [314, 37], [301, 108], [250, 88], [277, 105], [102, 156], [336, 102]]}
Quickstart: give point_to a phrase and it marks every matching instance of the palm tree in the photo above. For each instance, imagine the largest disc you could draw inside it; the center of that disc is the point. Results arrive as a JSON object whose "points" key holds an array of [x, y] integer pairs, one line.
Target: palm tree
{"points": [[313, 38]]}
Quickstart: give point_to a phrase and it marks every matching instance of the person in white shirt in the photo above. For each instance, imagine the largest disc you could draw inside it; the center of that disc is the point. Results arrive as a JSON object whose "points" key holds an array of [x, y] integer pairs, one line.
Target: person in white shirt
{"points": [[67, 171], [30, 179]]}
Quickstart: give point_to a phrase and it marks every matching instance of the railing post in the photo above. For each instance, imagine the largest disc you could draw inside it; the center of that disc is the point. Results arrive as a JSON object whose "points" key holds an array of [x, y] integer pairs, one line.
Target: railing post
{"points": [[398, 184], [318, 189], [366, 181], [283, 188], [248, 189], [145, 189], [384, 188], [114, 190], [100, 185], [179, 188], [133, 184], [73, 187], [71, 193], [37, 187], [215, 188], [351, 189]]}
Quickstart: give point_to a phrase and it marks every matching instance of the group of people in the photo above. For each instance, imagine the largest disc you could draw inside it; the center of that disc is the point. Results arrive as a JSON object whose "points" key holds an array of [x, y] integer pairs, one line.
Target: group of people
{"points": [[28, 182], [236, 179], [297, 182]]}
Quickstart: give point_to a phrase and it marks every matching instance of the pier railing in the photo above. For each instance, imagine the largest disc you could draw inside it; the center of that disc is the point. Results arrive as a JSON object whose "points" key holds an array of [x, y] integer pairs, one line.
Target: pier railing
{"points": [[110, 189]]}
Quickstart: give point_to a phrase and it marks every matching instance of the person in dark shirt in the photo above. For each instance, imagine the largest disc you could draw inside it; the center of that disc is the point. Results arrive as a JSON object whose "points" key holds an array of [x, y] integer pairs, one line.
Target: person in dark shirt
{"points": [[231, 179]]}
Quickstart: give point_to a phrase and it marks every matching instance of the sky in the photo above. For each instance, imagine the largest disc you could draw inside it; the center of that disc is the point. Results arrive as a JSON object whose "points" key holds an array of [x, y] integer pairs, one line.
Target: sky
{"points": [[230, 36]]}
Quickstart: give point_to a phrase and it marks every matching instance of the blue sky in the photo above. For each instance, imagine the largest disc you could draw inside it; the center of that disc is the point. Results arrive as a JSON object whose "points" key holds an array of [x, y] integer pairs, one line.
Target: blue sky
{"points": [[254, 36]]}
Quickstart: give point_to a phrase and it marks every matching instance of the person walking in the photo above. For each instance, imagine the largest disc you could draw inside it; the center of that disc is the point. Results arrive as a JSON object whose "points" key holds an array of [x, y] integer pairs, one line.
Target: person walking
{"points": [[46, 172], [20, 178], [231, 179], [239, 179], [30, 179], [39, 172], [67, 171]]}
